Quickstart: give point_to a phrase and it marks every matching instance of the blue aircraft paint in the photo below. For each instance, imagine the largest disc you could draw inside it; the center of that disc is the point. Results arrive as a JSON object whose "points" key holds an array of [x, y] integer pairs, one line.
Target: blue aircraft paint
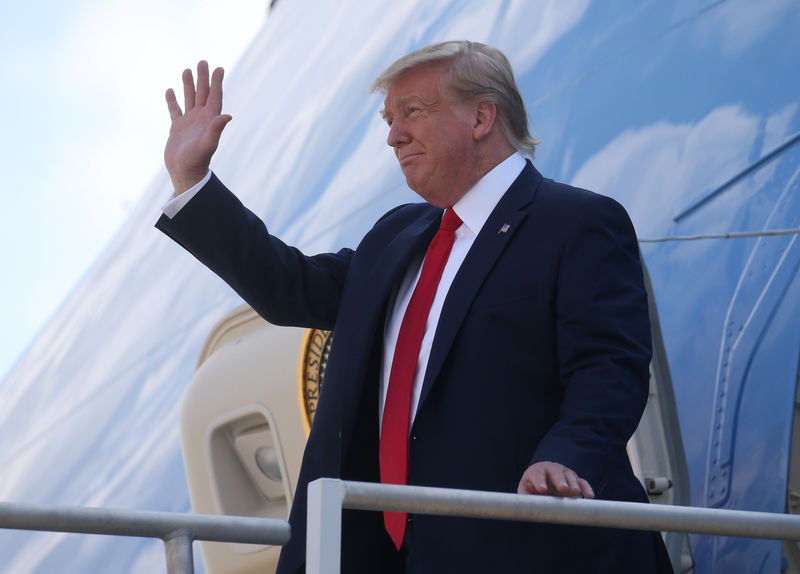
{"points": [[686, 112]]}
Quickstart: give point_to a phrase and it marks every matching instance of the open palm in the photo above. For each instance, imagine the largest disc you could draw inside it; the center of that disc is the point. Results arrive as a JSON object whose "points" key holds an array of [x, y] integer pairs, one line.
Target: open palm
{"points": [[195, 132]]}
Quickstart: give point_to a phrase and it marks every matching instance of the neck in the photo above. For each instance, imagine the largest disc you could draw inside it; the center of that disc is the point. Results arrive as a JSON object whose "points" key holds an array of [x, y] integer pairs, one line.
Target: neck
{"points": [[494, 151]]}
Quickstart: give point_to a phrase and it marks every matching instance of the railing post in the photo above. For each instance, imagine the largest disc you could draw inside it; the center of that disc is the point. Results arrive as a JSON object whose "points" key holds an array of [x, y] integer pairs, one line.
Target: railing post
{"points": [[178, 547], [324, 531]]}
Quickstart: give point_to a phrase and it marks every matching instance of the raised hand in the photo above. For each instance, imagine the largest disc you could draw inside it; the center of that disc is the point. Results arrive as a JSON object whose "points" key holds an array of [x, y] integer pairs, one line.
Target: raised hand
{"points": [[194, 134]]}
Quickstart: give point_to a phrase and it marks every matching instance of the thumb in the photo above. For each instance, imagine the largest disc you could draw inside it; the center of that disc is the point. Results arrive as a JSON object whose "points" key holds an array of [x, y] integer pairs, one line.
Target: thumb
{"points": [[218, 124], [526, 485]]}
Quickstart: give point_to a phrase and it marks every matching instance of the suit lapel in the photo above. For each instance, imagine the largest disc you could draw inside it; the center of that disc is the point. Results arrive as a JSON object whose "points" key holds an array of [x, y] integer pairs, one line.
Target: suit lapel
{"points": [[510, 211], [360, 339], [397, 256]]}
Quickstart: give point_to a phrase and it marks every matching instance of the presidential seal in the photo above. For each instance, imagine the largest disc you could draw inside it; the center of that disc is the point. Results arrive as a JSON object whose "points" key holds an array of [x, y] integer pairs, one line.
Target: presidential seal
{"points": [[313, 358]]}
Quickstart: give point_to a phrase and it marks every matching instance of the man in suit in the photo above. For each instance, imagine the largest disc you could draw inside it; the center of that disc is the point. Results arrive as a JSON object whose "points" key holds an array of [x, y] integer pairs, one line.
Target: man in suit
{"points": [[524, 370]]}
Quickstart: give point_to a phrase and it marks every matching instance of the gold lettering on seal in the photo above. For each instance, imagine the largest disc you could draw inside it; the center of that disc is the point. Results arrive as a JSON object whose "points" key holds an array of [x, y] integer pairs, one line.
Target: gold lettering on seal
{"points": [[313, 359]]}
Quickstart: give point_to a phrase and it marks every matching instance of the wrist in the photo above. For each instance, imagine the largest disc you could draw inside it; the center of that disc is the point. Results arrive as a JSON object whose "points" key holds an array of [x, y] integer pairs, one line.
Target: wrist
{"points": [[182, 182]]}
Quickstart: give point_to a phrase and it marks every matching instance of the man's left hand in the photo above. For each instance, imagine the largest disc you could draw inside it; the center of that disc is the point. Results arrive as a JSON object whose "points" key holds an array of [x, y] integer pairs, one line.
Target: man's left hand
{"points": [[554, 479]]}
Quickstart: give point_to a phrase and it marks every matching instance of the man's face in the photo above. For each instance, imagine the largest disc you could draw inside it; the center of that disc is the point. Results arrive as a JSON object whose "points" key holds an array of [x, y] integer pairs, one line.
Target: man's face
{"points": [[432, 136]]}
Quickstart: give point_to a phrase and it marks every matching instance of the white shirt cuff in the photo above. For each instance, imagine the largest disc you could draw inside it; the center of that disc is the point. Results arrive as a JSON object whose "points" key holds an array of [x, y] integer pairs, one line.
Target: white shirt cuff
{"points": [[176, 202]]}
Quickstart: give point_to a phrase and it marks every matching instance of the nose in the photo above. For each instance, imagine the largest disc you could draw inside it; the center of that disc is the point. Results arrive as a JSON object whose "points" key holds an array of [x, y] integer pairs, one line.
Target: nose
{"points": [[397, 134]]}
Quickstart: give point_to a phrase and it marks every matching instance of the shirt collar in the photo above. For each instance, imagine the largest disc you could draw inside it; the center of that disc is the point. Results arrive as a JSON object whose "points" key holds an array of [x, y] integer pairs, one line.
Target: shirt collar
{"points": [[477, 204]]}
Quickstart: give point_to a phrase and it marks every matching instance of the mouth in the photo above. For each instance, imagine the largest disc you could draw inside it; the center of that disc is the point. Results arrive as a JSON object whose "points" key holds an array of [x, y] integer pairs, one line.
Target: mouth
{"points": [[407, 157]]}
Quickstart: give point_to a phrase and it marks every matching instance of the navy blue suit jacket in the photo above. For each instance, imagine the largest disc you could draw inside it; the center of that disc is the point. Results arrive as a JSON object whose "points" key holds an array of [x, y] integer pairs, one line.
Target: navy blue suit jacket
{"points": [[541, 353]]}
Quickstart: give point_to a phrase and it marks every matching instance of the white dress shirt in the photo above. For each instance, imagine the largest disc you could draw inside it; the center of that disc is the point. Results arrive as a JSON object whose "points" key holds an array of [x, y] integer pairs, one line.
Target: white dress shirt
{"points": [[176, 202], [473, 209]]}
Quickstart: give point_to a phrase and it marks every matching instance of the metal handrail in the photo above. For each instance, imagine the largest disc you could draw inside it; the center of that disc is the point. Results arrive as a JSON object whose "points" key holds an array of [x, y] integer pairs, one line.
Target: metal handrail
{"points": [[327, 497], [177, 530]]}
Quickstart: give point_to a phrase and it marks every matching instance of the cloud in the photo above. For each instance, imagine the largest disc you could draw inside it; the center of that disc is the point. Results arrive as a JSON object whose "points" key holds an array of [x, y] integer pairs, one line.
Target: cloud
{"points": [[84, 89], [738, 24], [658, 169]]}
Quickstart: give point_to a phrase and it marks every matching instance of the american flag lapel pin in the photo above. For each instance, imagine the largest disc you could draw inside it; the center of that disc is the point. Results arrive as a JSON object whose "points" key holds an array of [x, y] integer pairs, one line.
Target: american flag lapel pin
{"points": [[505, 228]]}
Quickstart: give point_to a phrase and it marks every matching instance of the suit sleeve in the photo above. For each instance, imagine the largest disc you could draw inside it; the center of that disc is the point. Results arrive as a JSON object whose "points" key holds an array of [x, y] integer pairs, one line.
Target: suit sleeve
{"points": [[603, 343], [278, 281]]}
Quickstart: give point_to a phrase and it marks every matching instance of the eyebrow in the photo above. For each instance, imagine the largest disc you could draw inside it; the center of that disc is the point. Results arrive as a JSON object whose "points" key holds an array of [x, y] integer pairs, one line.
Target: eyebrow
{"points": [[400, 103]]}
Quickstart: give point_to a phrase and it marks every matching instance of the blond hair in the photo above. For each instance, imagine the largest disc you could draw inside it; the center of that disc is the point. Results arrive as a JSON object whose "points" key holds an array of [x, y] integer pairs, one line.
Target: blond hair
{"points": [[476, 73]]}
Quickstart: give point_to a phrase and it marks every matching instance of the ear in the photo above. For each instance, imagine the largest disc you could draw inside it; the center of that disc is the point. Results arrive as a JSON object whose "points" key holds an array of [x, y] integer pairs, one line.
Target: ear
{"points": [[485, 115]]}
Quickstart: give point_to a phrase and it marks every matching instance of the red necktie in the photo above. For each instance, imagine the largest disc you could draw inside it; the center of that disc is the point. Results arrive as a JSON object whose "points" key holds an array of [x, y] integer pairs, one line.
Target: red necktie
{"points": [[396, 411]]}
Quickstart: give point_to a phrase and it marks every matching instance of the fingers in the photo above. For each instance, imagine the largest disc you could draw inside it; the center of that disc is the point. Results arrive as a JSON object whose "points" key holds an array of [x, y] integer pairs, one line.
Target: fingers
{"points": [[188, 89], [534, 481], [586, 489], [561, 481], [172, 105], [554, 479], [203, 94], [202, 83], [569, 484], [215, 93]]}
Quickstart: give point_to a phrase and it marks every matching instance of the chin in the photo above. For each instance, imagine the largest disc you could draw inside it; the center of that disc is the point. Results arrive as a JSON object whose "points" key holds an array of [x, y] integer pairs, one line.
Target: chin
{"points": [[433, 200]]}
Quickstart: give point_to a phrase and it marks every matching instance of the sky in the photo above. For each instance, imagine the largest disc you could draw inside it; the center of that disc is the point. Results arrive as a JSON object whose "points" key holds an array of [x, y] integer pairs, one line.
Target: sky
{"points": [[84, 123]]}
